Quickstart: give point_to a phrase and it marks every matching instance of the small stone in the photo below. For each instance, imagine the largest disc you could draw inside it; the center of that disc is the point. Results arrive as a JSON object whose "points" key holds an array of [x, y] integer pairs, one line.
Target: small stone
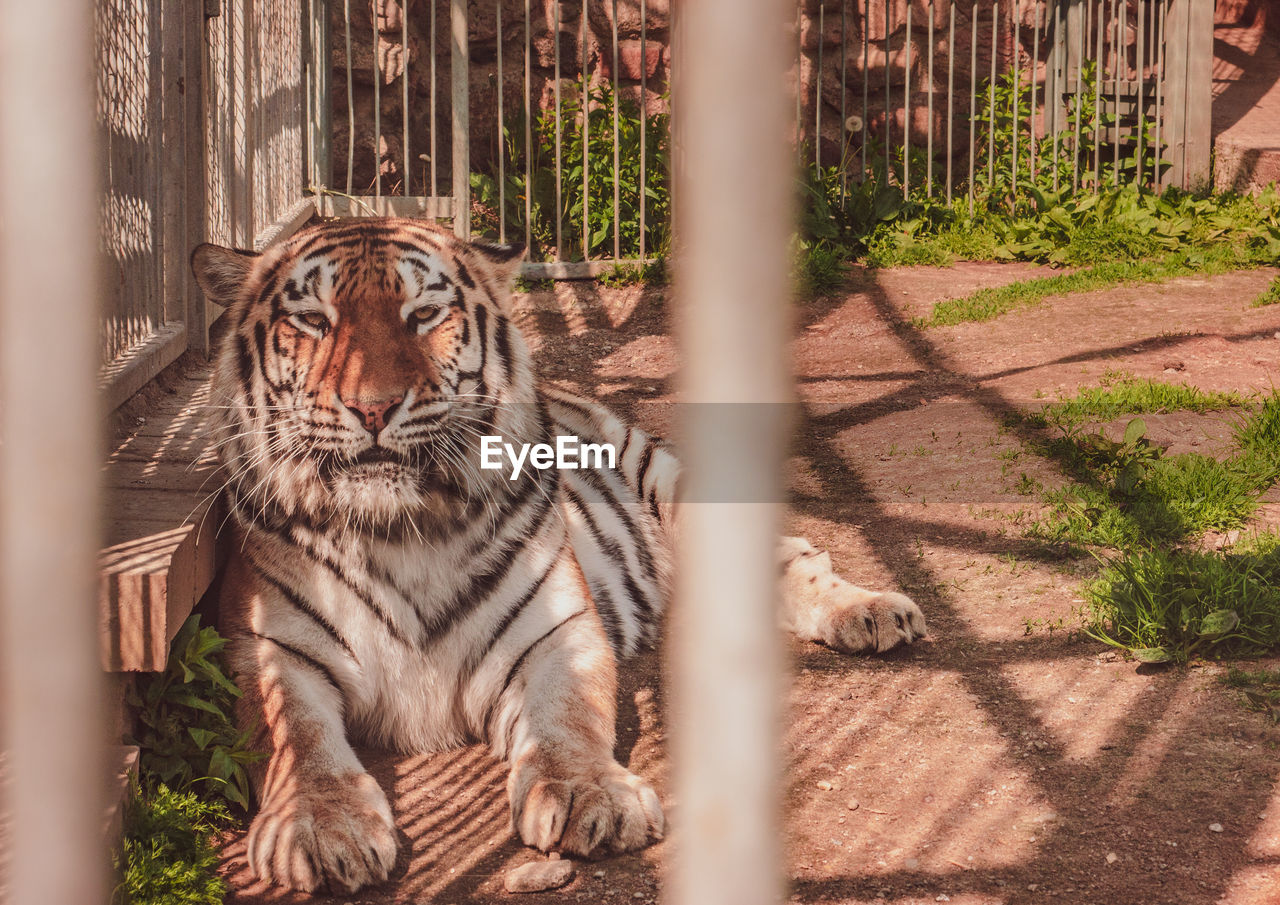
{"points": [[852, 804], [638, 895], [538, 876], [1112, 857], [1215, 827], [824, 785], [599, 875], [1032, 887], [943, 897], [1172, 364], [553, 856]]}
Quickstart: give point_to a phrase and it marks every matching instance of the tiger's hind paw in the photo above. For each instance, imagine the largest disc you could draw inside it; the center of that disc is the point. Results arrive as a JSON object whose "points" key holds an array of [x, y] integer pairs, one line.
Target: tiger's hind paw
{"points": [[821, 606]]}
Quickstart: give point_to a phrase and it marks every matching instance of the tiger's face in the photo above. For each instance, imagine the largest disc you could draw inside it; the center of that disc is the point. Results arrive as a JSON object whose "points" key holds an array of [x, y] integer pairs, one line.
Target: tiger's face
{"points": [[362, 364]]}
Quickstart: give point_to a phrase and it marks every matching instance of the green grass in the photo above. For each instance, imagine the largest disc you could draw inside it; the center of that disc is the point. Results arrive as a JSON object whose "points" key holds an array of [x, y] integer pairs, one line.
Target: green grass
{"points": [[986, 304], [1162, 499], [167, 855], [1157, 597], [1270, 296], [1169, 605], [1127, 395], [1261, 689]]}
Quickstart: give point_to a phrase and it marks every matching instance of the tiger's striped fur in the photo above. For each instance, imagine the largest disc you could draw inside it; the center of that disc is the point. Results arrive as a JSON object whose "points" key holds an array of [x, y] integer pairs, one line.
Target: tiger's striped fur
{"points": [[383, 586]]}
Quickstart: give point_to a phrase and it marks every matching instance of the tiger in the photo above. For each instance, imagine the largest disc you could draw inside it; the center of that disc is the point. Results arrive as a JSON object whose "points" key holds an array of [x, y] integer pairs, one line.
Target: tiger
{"points": [[384, 587]]}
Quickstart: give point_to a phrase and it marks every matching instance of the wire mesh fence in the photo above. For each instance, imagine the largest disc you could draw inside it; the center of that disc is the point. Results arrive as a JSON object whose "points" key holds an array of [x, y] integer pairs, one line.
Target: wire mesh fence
{"points": [[567, 132]]}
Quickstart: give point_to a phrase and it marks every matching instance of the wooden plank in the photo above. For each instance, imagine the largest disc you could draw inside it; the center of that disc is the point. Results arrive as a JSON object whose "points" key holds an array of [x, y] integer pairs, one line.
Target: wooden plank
{"points": [[572, 270], [430, 207], [288, 223], [192, 91], [151, 575], [131, 372], [163, 516], [1175, 92], [1199, 94]]}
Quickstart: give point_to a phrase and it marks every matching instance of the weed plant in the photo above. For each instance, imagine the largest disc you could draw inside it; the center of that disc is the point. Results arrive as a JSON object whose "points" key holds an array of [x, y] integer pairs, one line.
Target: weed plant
{"points": [[166, 854], [530, 173], [186, 730]]}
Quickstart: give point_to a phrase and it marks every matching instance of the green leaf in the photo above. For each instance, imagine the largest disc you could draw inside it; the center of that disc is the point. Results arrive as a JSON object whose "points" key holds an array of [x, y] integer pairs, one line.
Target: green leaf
{"points": [[202, 736], [1152, 655], [1134, 431], [1219, 622]]}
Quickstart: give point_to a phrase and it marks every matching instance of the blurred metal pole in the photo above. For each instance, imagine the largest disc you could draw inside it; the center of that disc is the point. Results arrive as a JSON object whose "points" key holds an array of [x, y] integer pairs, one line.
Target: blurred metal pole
{"points": [[50, 706], [732, 283]]}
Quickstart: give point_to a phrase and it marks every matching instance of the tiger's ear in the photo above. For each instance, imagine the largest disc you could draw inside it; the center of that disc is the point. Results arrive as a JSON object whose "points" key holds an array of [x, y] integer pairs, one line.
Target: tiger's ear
{"points": [[503, 260], [221, 272]]}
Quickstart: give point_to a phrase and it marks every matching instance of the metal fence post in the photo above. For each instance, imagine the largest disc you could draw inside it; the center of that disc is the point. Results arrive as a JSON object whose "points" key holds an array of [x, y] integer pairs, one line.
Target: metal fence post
{"points": [[460, 58], [731, 269], [50, 709]]}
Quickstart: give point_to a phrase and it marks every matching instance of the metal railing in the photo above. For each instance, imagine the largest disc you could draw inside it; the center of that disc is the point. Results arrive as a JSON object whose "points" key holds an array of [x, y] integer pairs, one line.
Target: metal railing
{"points": [[563, 112]]}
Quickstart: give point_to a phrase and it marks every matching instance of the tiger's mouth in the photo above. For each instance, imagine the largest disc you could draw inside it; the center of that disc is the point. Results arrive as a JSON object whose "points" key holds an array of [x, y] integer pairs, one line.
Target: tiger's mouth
{"points": [[379, 455]]}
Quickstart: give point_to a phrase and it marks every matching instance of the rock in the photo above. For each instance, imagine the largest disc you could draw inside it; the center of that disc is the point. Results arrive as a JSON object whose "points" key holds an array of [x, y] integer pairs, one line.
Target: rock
{"points": [[599, 875], [538, 876], [1215, 827], [824, 786], [852, 804], [1112, 857]]}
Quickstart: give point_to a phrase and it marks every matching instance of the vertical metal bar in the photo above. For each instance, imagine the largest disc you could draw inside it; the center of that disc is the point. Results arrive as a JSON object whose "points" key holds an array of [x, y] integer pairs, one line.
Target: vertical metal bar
{"points": [[906, 112], [460, 58], [1118, 56], [951, 82], [528, 130], [799, 81], [559, 125], [928, 178], [1059, 83], [1162, 11], [51, 704], [502, 145], [817, 91], [1033, 88], [973, 98], [377, 107], [844, 82], [727, 676], [617, 196], [644, 119], [991, 98], [1077, 126], [866, 81], [435, 190], [586, 143], [404, 96], [1017, 91], [1142, 107], [888, 101], [1100, 50], [351, 101]]}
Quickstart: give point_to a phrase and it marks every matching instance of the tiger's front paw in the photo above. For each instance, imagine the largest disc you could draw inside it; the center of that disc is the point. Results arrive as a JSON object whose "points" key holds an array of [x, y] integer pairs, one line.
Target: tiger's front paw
{"points": [[336, 829], [583, 812]]}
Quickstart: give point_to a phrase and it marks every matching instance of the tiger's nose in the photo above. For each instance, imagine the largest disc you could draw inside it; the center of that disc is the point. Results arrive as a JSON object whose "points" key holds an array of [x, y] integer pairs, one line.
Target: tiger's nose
{"points": [[374, 414]]}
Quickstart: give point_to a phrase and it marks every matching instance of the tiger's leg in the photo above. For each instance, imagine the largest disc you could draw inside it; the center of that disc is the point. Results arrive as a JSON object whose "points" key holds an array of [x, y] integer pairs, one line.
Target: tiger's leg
{"points": [[321, 817], [555, 723], [819, 605]]}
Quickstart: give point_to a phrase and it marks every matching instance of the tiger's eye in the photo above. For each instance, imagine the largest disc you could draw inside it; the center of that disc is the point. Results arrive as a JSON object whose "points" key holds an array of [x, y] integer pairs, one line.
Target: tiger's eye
{"points": [[313, 319]]}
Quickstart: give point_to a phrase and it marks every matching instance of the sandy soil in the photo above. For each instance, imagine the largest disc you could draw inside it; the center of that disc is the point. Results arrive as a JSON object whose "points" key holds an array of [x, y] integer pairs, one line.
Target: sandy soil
{"points": [[998, 762]]}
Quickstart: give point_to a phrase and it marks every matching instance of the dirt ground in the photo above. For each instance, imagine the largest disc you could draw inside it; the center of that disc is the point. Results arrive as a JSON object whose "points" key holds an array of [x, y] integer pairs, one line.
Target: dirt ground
{"points": [[996, 763]]}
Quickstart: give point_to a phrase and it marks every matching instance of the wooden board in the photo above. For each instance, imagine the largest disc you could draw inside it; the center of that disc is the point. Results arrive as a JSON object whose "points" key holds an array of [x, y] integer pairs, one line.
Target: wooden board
{"points": [[162, 520]]}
